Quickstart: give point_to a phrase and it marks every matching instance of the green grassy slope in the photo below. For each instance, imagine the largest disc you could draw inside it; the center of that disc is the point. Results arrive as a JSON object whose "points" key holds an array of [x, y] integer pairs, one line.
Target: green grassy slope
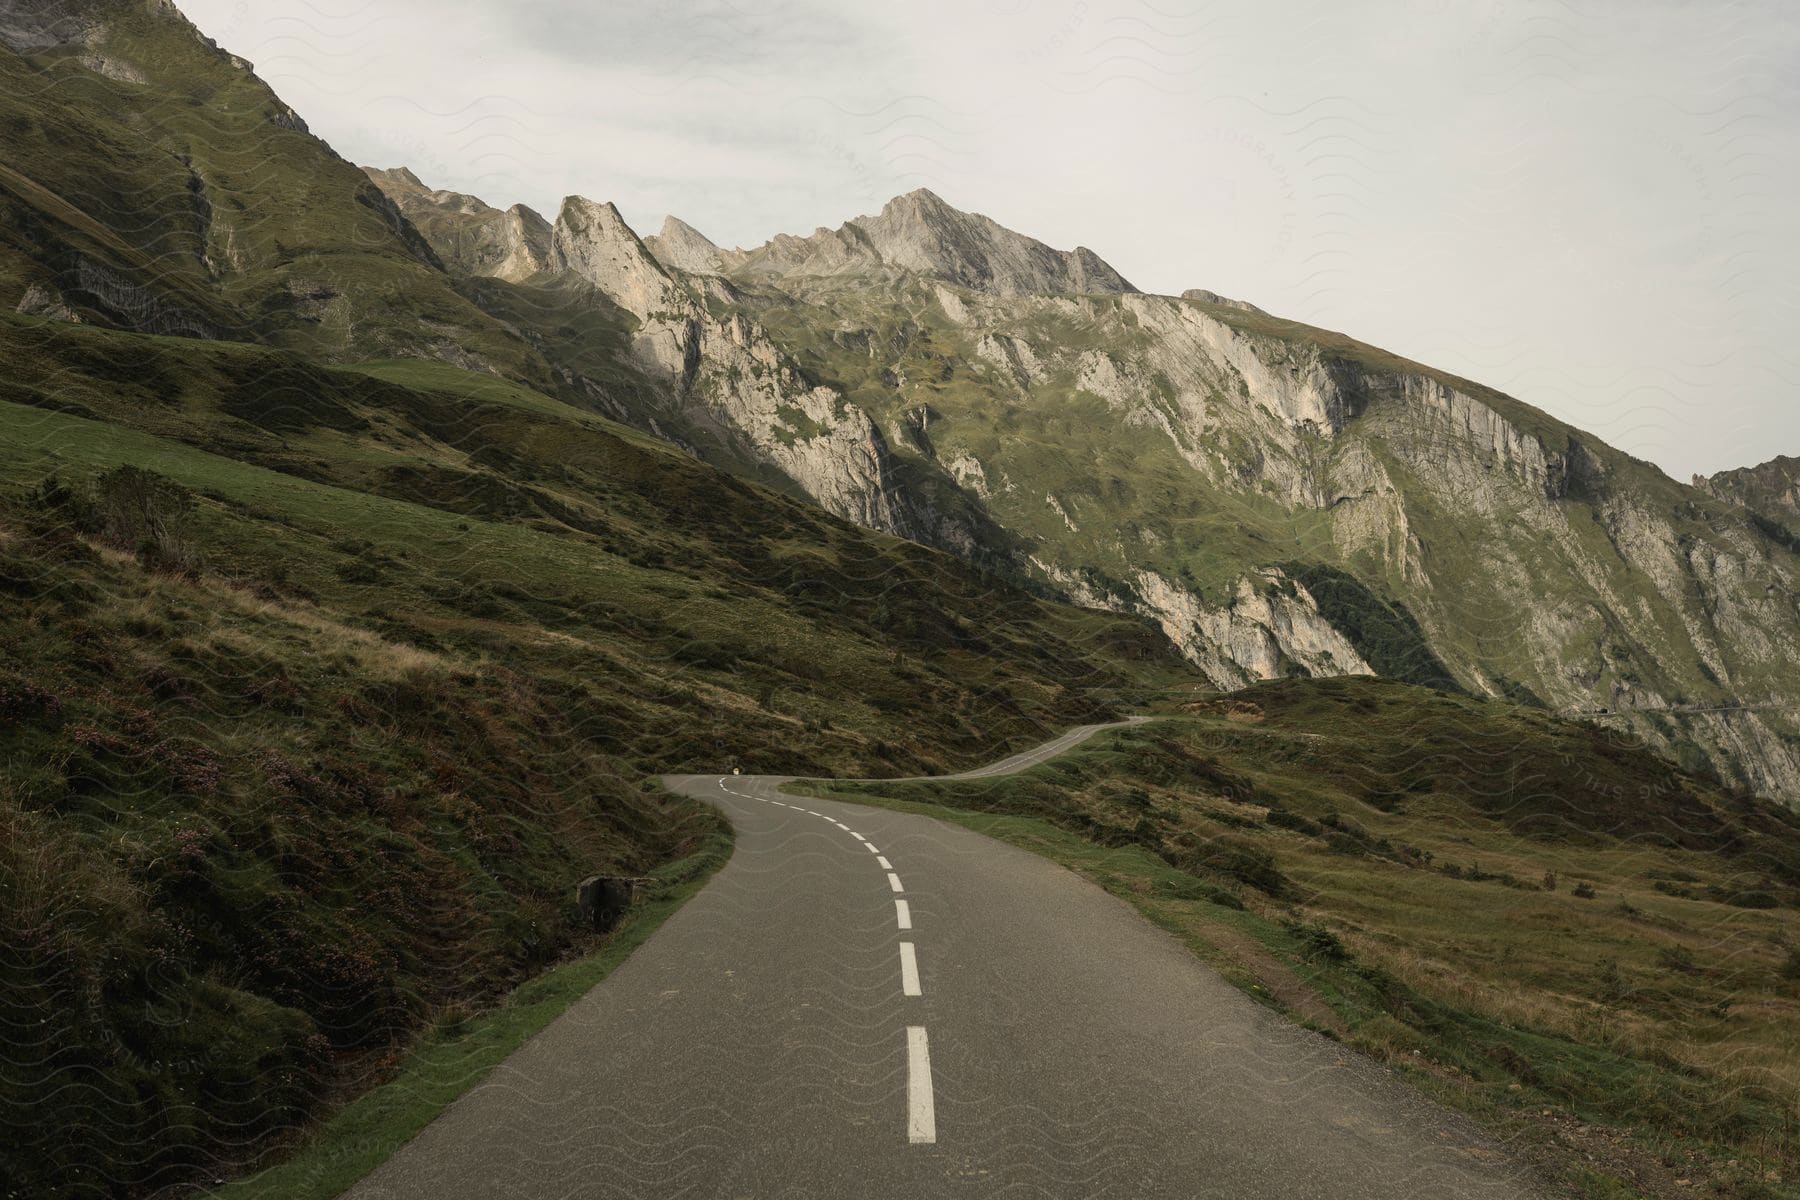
{"points": [[190, 200], [319, 769], [449, 475], [1536, 920], [246, 850]]}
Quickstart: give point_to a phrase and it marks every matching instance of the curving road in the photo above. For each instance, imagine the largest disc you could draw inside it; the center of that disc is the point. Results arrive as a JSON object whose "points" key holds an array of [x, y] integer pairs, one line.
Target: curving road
{"points": [[866, 1003]]}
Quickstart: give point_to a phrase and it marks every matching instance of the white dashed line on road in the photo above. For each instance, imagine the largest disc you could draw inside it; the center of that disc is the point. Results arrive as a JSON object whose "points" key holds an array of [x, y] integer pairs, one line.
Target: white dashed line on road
{"points": [[921, 1115], [921, 1110], [909, 970]]}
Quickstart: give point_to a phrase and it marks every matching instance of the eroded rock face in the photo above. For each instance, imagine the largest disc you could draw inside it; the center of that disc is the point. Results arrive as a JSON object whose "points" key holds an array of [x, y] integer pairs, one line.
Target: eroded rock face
{"points": [[1206, 297], [681, 247], [28, 26], [466, 234], [1271, 629], [1772, 488], [721, 375], [728, 376], [592, 241], [1534, 559], [42, 300]]}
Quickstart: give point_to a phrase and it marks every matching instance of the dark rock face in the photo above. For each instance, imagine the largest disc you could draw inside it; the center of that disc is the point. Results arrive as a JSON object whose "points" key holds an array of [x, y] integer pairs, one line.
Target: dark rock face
{"points": [[603, 900]]}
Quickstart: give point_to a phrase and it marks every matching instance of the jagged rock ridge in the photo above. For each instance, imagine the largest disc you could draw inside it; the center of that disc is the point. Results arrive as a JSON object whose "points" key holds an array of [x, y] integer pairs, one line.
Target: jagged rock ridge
{"points": [[466, 233], [720, 376], [1771, 488], [921, 234]]}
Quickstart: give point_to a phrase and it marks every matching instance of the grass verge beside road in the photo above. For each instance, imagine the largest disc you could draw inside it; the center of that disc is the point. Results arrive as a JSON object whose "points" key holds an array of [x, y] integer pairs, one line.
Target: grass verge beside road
{"points": [[454, 1056], [1610, 988]]}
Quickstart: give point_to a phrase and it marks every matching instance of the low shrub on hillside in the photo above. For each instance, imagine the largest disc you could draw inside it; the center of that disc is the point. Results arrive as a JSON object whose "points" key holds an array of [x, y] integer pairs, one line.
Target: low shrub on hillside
{"points": [[239, 865]]}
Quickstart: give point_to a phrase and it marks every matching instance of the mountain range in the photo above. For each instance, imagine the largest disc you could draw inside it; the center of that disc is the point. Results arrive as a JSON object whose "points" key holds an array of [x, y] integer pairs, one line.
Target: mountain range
{"points": [[1280, 499]]}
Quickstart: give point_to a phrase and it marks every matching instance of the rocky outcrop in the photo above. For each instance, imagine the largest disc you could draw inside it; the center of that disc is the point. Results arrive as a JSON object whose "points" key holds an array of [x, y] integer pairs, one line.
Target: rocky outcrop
{"points": [[404, 232], [1012, 356], [132, 306], [466, 234], [592, 242], [30, 26], [1535, 561], [42, 300], [681, 247], [920, 234], [33, 26], [720, 375], [1271, 628], [1206, 297], [524, 241], [1773, 488]]}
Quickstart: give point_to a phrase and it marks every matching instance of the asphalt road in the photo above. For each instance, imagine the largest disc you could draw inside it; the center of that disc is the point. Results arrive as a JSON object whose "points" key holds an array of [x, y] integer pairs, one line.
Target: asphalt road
{"points": [[866, 1003]]}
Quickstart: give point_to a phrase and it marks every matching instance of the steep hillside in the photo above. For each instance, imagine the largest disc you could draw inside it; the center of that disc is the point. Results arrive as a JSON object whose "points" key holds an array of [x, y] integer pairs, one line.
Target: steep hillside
{"points": [[152, 182], [1283, 500], [677, 355], [1190, 459], [307, 732]]}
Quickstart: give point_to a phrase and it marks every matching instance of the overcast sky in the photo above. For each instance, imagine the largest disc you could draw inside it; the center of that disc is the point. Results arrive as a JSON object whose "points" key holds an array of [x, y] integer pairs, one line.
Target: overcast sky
{"points": [[1590, 206]]}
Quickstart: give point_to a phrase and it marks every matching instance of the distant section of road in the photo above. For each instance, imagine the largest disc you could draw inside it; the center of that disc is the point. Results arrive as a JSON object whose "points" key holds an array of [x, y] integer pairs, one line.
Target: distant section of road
{"points": [[868, 1003], [1025, 760]]}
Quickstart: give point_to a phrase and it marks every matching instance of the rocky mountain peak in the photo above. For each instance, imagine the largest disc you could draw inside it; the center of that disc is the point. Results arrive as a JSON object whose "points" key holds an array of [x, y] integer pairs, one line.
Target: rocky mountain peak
{"points": [[591, 240], [465, 231], [400, 176], [1771, 488], [920, 232], [921, 204], [408, 191], [681, 247], [1206, 297]]}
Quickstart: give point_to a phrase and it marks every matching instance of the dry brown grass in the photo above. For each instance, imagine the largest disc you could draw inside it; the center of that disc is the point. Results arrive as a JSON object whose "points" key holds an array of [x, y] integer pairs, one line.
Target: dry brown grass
{"points": [[1696, 982], [370, 653]]}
